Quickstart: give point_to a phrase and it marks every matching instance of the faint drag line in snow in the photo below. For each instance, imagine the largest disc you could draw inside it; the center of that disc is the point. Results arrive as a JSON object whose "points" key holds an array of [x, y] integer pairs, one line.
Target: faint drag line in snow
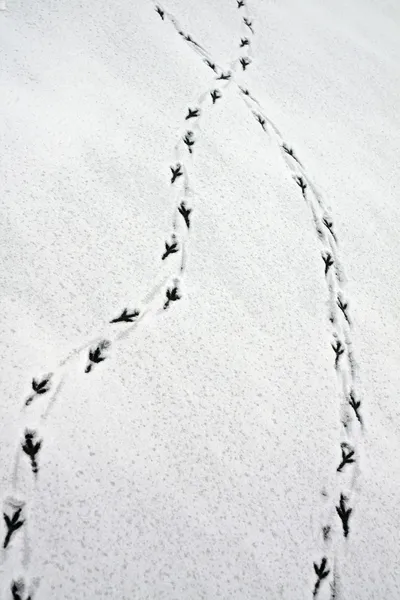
{"points": [[202, 51], [115, 336], [72, 361], [51, 385], [181, 222], [339, 320], [188, 137], [31, 446]]}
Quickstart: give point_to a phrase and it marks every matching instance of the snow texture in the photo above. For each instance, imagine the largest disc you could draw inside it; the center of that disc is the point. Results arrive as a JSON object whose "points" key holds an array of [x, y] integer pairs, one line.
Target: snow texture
{"points": [[200, 300]]}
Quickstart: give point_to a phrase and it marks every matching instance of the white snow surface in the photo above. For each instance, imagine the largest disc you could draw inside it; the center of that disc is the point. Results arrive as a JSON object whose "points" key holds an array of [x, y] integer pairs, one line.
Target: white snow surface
{"points": [[199, 459]]}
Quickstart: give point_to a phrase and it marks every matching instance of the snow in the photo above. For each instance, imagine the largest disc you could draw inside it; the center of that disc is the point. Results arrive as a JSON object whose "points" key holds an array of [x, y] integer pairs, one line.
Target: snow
{"points": [[199, 459]]}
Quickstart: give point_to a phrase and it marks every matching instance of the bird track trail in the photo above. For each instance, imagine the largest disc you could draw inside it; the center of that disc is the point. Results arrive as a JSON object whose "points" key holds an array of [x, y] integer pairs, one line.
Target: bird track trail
{"points": [[19, 503], [350, 437]]}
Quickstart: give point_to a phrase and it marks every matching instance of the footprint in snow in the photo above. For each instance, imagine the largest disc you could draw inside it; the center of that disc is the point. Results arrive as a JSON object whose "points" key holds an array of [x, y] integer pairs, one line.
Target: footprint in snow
{"points": [[355, 405], [126, 316], [328, 260], [172, 295], [322, 573], [210, 64], [13, 523], [170, 248], [215, 95], [347, 457], [249, 24], [185, 212], [176, 172], [18, 591], [39, 387], [96, 355], [31, 447], [160, 12], [344, 514], [192, 113], [260, 119], [343, 307], [302, 185], [188, 38], [291, 153], [329, 225], [189, 141], [224, 76], [338, 349]]}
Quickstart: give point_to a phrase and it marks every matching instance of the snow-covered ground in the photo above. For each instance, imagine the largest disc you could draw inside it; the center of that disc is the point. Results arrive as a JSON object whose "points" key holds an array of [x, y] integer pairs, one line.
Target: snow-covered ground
{"points": [[200, 458]]}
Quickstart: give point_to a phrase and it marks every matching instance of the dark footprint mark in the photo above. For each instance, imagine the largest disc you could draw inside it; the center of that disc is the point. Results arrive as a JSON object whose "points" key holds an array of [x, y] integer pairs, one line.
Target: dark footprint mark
{"points": [[18, 590], [260, 119], [329, 225], [160, 12], [343, 307], [126, 317], [346, 458], [225, 76], [249, 24], [31, 448], [320, 233], [192, 113], [192, 41], [189, 141], [240, 3], [189, 39], [244, 42], [39, 387], [355, 405], [302, 185], [96, 356], [338, 350], [185, 212], [176, 172], [210, 64], [321, 573], [170, 248], [328, 260], [344, 514], [215, 95], [12, 524], [172, 296], [245, 62], [291, 153]]}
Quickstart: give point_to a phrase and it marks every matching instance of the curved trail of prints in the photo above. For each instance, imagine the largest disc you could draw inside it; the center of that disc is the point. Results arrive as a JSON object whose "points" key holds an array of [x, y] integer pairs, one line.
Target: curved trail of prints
{"points": [[168, 290]]}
